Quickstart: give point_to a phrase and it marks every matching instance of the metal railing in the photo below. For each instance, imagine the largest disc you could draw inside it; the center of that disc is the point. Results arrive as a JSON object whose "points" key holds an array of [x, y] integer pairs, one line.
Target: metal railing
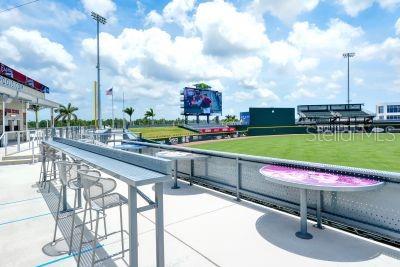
{"points": [[114, 136], [18, 141], [373, 213]]}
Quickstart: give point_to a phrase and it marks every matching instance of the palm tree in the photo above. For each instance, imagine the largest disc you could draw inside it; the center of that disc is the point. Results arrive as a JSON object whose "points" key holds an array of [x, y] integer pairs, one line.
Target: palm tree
{"points": [[202, 86], [129, 111], [230, 118], [150, 114], [65, 113], [36, 109]]}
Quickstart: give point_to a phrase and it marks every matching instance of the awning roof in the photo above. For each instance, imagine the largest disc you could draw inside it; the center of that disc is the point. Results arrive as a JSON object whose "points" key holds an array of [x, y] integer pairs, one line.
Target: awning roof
{"points": [[28, 97]]}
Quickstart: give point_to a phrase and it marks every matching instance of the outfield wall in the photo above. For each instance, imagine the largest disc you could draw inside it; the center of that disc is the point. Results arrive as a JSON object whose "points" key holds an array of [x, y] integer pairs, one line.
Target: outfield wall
{"points": [[280, 130], [173, 140]]}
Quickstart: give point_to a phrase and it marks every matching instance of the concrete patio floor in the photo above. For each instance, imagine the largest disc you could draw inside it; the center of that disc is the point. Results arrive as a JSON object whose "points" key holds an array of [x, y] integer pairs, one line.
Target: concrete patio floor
{"points": [[202, 228]]}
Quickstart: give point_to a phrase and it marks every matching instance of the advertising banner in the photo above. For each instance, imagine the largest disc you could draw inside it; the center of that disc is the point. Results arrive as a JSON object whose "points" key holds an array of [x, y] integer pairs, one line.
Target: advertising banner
{"points": [[21, 78]]}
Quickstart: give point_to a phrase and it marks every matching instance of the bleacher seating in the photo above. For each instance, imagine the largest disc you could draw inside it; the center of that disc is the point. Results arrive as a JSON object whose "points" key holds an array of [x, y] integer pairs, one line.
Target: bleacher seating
{"points": [[354, 114], [317, 114]]}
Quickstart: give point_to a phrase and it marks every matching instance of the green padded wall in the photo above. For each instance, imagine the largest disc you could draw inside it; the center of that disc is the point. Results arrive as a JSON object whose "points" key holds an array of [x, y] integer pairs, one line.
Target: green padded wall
{"points": [[261, 117], [280, 130]]}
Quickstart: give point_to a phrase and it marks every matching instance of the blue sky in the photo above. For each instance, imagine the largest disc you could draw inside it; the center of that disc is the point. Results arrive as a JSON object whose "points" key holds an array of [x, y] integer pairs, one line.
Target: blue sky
{"points": [[258, 52]]}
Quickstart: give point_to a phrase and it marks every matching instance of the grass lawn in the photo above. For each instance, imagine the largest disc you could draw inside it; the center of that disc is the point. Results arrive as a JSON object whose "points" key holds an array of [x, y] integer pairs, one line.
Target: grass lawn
{"points": [[161, 132], [380, 151]]}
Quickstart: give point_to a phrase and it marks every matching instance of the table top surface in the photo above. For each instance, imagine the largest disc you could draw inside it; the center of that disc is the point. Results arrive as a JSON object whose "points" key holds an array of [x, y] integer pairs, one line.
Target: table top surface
{"points": [[177, 155], [129, 173], [129, 147], [316, 180]]}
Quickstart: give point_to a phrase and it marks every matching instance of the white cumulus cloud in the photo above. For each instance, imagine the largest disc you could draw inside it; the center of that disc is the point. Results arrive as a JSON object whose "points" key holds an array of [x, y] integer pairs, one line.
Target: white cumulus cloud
{"points": [[286, 10], [354, 7], [226, 31], [152, 54], [300, 93], [332, 42], [176, 12], [104, 8], [32, 49]]}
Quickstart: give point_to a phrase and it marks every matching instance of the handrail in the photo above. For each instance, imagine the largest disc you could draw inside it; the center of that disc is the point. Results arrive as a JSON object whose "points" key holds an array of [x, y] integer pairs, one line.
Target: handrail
{"points": [[379, 174]]}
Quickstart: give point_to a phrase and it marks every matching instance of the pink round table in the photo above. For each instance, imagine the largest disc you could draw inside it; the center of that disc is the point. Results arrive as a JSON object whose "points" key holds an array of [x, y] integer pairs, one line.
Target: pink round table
{"points": [[318, 181]]}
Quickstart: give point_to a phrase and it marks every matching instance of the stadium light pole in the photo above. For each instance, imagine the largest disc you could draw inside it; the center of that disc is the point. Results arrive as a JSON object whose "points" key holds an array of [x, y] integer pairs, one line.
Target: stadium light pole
{"points": [[99, 19], [348, 56]]}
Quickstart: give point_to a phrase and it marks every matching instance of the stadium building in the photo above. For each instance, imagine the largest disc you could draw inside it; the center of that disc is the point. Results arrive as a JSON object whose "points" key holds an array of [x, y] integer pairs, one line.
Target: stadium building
{"points": [[388, 111], [338, 117], [18, 94]]}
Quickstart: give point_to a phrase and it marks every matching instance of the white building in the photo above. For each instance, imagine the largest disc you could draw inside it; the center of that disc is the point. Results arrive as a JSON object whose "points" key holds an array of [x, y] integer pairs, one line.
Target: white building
{"points": [[15, 100], [388, 111]]}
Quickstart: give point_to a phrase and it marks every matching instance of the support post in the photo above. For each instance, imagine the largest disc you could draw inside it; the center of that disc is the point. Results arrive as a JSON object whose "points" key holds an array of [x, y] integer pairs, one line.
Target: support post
{"points": [[79, 190], [44, 169], [191, 171], [175, 186], [239, 178], [3, 111], [133, 229], [319, 207], [159, 213], [33, 151], [18, 141], [64, 188], [303, 216]]}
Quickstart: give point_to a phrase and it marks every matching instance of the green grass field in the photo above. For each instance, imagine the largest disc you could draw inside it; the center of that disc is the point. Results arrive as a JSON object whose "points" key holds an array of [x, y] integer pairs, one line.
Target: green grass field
{"points": [[161, 132], [380, 151]]}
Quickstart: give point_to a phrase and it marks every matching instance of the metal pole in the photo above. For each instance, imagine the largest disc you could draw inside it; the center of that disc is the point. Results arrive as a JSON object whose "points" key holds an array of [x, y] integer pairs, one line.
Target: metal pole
{"points": [[239, 177], [98, 77], [112, 108], [3, 118], [18, 141], [123, 113], [303, 216], [26, 120], [191, 171], [159, 224], [175, 186], [319, 215], [348, 80], [64, 187], [33, 154], [5, 143], [133, 227]]}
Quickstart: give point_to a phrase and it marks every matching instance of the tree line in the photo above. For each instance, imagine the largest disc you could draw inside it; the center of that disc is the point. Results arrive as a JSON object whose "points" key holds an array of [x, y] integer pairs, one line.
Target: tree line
{"points": [[66, 117]]}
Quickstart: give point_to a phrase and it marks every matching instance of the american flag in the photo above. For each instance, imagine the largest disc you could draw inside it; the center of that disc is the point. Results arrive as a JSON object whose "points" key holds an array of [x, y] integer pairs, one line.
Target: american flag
{"points": [[109, 91]]}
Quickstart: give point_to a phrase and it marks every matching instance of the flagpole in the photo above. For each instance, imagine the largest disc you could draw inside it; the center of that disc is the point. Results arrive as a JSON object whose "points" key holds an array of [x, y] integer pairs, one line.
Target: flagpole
{"points": [[123, 108], [112, 108]]}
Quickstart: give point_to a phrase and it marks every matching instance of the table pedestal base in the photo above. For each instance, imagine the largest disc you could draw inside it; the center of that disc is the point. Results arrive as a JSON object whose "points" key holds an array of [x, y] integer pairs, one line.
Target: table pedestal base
{"points": [[320, 227], [303, 216], [304, 235]]}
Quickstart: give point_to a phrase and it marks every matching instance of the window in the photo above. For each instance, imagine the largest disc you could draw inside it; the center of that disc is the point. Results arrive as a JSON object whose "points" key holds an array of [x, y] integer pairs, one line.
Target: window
{"points": [[393, 109], [381, 117], [380, 109], [394, 117]]}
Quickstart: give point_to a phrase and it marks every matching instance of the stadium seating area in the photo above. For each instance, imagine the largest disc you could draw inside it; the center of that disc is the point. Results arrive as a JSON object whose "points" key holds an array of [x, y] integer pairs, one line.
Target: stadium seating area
{"points": [[354, 114], [310, 114], [334, 117]]}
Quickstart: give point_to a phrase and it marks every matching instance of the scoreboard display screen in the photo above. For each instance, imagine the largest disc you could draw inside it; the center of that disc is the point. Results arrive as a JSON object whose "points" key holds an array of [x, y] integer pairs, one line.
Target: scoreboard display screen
{"points": [[201, 101]]}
